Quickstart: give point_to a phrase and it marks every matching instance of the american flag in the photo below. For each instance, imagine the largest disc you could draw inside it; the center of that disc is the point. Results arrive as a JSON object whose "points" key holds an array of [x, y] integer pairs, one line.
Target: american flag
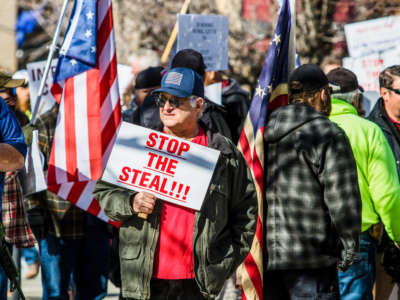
{"points": [[271, 92], [89, 111]]}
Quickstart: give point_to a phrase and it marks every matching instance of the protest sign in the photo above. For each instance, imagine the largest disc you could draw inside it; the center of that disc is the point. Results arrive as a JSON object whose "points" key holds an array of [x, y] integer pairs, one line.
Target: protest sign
{"points": [[35, 73], [33, 179], [125, 77], [372, 36], [367, 68], [171, 168], [207, 34], [213, 92]]}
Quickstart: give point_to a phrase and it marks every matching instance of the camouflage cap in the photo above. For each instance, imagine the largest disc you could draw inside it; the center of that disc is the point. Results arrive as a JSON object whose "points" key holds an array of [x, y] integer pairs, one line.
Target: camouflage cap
{"points": [[6, 81]]}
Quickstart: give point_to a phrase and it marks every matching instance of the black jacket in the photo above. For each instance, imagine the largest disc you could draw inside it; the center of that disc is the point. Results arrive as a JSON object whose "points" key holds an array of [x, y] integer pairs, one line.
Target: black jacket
{"points": [[236, 102], [380, 117]]}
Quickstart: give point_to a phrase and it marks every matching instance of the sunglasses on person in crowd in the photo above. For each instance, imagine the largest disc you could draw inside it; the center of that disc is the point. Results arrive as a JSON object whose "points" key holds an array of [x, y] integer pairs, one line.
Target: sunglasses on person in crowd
{"points": [[396, 91], [173, 101]]}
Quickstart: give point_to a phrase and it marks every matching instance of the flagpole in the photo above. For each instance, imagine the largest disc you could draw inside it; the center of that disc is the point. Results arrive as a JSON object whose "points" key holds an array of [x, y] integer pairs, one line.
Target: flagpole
{"points": [[52, 49], [292, 38], [174, 33]]}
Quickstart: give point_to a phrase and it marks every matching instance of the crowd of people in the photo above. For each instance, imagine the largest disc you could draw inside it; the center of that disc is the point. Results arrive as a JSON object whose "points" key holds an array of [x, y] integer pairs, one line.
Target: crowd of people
{"points": [[331, 193]]}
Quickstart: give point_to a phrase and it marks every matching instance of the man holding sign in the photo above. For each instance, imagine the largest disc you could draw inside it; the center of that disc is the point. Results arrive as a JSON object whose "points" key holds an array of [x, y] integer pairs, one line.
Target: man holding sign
{"points": [[176, 252]]}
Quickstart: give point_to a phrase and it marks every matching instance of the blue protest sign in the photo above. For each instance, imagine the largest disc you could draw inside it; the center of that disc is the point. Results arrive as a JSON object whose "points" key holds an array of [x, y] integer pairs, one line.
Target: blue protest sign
{"points": [[207, 34]]}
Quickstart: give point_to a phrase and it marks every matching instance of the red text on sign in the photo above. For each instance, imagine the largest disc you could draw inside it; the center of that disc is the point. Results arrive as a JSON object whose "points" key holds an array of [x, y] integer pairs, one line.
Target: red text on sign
{"points": [[166, 143], [162, 163], [154, 182]]}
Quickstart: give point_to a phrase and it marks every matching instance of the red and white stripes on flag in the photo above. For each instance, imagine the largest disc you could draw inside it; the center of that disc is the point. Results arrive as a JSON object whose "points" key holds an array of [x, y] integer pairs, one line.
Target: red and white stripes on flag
{"points": [[271, 93], [88, 119]]}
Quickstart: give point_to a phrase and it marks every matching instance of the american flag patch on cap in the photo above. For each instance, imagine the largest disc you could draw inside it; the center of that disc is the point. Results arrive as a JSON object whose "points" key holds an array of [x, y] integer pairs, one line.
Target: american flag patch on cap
{"points": [[174, 78]]}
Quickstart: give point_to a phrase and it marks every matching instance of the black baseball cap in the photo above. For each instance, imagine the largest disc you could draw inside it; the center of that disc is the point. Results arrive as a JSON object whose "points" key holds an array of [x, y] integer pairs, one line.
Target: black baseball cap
{"points": [[344, 79], [306, 78]]}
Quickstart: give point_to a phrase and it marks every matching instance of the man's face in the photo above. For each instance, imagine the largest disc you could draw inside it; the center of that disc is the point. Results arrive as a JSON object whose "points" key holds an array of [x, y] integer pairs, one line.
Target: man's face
{"points": [[392, 99], [140, 94], [181, 118], [22, 95]]}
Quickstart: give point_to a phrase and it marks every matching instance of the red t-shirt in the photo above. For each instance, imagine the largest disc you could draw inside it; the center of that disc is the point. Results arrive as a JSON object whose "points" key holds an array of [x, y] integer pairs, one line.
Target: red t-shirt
{"points": [[173, 258], [395, 123]]}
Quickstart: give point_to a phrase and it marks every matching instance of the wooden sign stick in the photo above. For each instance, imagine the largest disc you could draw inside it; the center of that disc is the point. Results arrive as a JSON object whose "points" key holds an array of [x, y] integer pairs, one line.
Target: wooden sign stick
{"points": [[142, 215], [174, 33]]}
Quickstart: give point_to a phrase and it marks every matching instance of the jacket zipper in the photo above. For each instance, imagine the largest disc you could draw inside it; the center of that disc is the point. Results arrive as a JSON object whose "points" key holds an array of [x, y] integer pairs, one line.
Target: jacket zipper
{"points": [[196, 260], [150, 267]]}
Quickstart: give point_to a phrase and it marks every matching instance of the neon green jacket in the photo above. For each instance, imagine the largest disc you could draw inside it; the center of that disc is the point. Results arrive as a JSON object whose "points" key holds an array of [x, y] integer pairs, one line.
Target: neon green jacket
{"points": [[376, 169]]}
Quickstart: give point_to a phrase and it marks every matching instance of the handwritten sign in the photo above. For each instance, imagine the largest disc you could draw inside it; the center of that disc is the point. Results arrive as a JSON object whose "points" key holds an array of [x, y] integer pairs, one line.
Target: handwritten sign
{"points": [[372, 36], [35, 73], [171, 168], [207, 34], [367, 68]]}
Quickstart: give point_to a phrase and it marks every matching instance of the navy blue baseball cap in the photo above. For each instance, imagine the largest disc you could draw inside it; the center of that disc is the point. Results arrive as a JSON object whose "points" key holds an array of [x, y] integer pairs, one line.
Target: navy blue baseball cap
{"points": [[182, 82]]}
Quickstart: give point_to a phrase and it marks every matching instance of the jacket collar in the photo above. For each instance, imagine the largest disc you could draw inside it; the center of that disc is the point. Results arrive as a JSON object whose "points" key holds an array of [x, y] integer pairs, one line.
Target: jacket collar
{"points": [[380, 116], [340, 107], [288, 118], [217, 141]]}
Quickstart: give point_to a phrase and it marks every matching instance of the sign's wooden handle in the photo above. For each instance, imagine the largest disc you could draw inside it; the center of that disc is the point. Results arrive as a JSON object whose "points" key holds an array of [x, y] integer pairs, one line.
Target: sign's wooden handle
{"points": [[142, 216], [174, 33]]}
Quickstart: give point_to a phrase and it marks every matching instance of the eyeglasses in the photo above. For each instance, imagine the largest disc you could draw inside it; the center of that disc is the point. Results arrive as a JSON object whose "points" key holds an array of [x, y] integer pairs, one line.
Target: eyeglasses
{"points": [[396, 91], [173, 101]]}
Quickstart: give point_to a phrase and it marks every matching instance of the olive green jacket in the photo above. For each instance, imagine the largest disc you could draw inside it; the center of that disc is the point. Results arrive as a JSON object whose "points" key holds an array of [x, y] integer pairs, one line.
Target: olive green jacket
{"points": [[223, 232]]}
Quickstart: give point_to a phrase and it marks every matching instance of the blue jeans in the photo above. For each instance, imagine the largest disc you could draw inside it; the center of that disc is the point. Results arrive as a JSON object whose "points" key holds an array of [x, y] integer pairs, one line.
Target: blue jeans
{"points": [[357, 282], [4, 279], [31, 255], [85, 261]]}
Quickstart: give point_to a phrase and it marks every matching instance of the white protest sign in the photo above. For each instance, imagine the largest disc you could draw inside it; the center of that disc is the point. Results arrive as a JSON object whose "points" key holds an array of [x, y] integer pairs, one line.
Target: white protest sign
{"points": [[213, 92], [171, 168], [367, 68], [372, 36], [125, 77], [207, 34], [33, 179], [35, 73]]}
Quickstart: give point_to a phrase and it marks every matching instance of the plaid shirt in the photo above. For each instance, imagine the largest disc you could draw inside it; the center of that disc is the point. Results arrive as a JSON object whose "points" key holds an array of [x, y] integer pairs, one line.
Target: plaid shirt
{"points": [[65, 219], [16, 227], [313, 201]]}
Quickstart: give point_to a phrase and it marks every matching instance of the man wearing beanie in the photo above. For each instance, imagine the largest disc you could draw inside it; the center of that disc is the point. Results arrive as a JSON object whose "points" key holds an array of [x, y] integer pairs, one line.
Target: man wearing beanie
{"points": [[377, 180], [214, 116], [313, 206], [142, 108]]}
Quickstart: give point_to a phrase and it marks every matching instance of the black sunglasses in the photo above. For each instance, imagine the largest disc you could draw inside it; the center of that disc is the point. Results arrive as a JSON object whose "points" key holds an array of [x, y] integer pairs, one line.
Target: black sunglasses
{"points": [[173, 101], [397, 91]]}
